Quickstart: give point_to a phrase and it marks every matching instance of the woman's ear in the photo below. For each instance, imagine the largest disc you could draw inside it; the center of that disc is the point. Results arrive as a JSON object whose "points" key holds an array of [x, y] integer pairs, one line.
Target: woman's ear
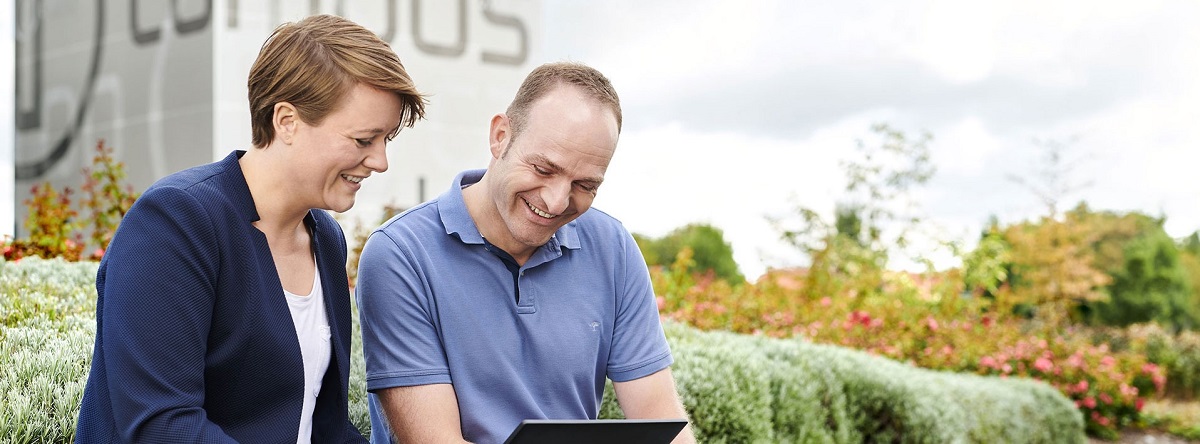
{"points": [[285, 120]]}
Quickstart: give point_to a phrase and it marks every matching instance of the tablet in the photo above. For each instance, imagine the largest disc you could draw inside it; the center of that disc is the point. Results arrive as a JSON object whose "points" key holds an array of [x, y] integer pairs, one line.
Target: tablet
{"points": [[642, 431]]}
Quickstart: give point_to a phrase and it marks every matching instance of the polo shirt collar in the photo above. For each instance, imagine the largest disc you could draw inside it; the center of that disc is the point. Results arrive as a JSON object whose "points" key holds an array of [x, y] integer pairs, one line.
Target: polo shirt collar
{"points": [[453, 210]]}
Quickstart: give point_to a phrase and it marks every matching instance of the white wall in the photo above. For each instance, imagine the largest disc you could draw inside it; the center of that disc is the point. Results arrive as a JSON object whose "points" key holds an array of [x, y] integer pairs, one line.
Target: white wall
{"points": [[7, 136], [469, 75]]}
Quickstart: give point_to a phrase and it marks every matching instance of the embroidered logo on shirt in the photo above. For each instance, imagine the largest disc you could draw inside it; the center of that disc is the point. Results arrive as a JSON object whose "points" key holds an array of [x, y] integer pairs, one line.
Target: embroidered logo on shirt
{"points": [[595, 326]]}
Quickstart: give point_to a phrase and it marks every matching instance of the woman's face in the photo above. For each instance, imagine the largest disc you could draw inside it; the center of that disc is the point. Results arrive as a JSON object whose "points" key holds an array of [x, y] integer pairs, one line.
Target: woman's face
{"points": [[334, 157]]}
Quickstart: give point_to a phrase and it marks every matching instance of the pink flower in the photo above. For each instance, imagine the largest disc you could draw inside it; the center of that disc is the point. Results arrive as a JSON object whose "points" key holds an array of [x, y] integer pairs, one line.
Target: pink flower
{"points": [[1089, 402], [987, 361], [825, 301], [661, 302], [1043, 365], [1006, 369], [1076, 360], [1081, 387], [1107, 361], [1139, 404], [1128, 390], [931, 323], [1105, 398]]}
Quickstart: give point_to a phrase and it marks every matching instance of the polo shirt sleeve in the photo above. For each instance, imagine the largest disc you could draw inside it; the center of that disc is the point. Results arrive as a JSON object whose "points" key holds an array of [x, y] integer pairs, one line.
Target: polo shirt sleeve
{"points": [[400, 338], [639, 347], [159, 288]]}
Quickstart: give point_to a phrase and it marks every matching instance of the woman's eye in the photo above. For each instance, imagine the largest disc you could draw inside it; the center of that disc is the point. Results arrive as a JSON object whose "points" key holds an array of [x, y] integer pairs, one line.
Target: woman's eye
{"points": [[363, 142]]}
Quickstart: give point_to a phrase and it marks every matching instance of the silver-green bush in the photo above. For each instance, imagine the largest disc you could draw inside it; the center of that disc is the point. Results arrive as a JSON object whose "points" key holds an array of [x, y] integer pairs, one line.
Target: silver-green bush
{"points": [[47, 326], [790, 391], [738, 389]]}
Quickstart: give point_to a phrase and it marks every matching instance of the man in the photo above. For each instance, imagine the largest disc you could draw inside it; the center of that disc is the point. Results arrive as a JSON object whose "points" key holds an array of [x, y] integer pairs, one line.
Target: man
{"points": [[506, 299]]}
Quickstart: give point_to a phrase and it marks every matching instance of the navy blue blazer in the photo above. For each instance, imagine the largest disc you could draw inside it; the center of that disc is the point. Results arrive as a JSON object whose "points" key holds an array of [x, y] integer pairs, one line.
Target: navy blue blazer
{"points": [[194, 339]]}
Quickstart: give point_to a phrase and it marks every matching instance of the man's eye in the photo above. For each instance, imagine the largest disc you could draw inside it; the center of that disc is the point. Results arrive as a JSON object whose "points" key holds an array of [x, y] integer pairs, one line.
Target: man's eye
{"points": [[587, 188], [363, 142], [541, 170]]}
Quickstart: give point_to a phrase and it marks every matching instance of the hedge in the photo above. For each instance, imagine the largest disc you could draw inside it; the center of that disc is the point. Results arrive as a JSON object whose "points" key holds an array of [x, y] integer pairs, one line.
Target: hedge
{"points": [[737, 388]]}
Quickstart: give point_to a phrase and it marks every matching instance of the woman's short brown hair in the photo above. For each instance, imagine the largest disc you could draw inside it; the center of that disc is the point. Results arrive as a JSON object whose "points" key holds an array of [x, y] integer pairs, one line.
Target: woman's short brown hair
{"points": [[548, 76], [313, 63]]}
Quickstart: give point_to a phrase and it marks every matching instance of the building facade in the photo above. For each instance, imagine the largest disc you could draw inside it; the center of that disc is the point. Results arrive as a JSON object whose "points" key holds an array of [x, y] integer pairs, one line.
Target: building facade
{"points": [[163, 82]]}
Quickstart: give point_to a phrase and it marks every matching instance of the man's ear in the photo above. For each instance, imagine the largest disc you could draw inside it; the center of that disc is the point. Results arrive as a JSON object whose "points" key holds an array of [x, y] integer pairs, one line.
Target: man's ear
{"points": [[285, 120], [499, 135]]}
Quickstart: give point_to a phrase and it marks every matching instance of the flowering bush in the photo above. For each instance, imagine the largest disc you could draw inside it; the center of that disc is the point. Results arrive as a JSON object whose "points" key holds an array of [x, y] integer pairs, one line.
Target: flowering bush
{"points": [[1178, 354], [925, 322], [51, 223], [55, 227]]}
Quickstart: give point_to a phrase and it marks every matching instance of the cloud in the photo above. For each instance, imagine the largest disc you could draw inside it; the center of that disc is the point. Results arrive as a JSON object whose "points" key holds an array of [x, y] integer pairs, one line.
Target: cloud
{"points": [[794, 103], [735, 110]]}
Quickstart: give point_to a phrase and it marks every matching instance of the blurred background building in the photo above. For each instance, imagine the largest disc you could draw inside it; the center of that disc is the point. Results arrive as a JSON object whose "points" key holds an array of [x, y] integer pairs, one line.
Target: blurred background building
{"points": [[164, 84]]}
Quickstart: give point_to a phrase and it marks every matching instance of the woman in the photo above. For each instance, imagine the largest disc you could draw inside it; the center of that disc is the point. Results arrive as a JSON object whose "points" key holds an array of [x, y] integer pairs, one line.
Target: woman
{"points": [[223, 313]]}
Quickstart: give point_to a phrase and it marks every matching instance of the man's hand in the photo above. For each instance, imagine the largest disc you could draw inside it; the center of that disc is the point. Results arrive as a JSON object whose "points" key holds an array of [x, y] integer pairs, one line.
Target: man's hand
{"points": [[654, 397], [422, 413]]}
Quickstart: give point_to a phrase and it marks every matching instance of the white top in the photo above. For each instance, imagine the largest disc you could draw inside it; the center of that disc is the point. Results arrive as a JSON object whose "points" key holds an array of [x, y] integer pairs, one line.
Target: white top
{"points": [[312, 329]]}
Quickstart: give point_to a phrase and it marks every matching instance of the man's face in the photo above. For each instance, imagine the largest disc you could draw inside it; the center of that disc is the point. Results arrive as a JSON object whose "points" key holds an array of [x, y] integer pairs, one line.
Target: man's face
{"points": [[547, 175]]}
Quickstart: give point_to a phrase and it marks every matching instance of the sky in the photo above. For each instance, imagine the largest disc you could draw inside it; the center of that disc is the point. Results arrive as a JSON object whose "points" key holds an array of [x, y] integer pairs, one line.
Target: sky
{"points": [[737, 111]]}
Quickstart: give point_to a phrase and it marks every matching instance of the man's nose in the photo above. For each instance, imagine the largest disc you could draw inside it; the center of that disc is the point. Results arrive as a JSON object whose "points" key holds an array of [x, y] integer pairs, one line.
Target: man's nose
{"points": [[557, 197]]}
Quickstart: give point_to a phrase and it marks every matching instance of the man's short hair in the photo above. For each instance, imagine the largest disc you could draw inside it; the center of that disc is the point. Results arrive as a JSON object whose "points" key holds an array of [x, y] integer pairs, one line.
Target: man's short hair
{"points": [[314, 63], [546, 77]]}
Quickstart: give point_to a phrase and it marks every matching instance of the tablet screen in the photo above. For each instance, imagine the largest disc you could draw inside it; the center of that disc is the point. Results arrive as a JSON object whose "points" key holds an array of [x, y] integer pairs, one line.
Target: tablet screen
{"points": [[642, 431]]}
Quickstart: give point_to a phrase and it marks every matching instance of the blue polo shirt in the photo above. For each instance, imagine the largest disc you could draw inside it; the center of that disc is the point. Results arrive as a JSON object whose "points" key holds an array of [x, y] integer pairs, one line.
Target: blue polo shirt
{"points": [[438, 307]]}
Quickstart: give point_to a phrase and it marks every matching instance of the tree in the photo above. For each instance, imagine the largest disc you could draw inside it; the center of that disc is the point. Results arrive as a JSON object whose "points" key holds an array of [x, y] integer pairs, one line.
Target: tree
{"points": [[1149, 278], [1189, 260], [1052, 178], [710, 251], [1052, 269], [876, 214]]}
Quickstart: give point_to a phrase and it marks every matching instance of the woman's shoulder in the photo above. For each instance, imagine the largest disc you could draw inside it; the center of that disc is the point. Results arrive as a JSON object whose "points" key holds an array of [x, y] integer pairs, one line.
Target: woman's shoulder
{"points": [[219, 187], [188, 179]]}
